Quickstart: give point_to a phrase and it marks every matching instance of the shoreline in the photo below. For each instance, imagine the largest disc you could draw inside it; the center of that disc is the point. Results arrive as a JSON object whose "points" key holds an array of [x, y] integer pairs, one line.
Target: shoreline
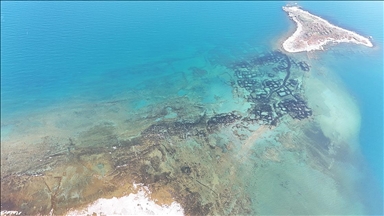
{"points": [[139, 203], [306, 39]]}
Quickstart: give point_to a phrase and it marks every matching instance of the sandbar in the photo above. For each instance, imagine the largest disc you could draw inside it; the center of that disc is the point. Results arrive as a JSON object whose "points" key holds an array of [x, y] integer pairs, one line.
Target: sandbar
{"points": [[313, 32]]}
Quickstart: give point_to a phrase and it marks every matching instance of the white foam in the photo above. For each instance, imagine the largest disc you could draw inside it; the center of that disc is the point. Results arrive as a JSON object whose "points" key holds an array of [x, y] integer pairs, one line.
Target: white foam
{"points": [[133, 204]]}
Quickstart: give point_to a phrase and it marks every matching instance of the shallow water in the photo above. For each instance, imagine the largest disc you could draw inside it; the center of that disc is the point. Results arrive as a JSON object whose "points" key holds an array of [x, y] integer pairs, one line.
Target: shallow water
{"points": [[98, 96]]}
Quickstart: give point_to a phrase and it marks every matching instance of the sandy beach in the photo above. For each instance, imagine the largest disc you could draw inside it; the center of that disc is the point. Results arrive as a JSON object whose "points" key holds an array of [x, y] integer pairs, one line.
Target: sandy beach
{"points": [[313, 33]]}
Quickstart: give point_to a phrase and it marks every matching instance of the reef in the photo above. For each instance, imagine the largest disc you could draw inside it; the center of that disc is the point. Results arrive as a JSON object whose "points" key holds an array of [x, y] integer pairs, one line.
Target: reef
{"points": [[271, 87], [71, 173], [75, 174]]}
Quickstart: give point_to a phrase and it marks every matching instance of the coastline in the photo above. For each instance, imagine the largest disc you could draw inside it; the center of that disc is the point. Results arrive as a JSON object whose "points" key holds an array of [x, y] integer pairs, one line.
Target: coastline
{"points": [[140, 203], [85, 157], [305, 39]]}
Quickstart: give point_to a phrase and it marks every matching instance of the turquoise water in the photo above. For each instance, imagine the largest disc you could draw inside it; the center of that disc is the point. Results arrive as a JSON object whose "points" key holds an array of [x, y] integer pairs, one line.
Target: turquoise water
{"points": [[363, 75], [67, 48], [52, 52]]}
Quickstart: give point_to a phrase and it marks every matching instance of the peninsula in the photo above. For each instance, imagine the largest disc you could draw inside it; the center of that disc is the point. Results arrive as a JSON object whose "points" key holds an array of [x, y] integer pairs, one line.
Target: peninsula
{"points": [[313, 32]]}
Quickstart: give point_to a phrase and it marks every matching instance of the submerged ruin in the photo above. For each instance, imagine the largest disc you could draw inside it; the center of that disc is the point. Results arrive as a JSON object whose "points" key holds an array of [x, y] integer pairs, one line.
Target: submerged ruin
{"points": [[187, 160]]}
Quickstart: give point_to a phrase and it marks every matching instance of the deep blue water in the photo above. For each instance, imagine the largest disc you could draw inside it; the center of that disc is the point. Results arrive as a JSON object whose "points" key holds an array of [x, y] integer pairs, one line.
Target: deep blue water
{"points": [[53, 51]]}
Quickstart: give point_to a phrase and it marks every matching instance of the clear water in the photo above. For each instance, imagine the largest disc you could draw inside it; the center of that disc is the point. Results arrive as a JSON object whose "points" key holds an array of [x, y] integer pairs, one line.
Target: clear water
{"points": [[62, 48], [53, 52], [363, 75]]}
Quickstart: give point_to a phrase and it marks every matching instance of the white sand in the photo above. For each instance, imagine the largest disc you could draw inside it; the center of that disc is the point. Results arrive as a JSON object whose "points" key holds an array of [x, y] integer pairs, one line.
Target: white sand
{"points": [[294, 44], [133, 204]]}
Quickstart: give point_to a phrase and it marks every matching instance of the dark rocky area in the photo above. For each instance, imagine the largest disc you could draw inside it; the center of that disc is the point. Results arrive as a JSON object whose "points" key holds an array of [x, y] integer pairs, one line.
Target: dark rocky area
{"points": [[272, 90]]}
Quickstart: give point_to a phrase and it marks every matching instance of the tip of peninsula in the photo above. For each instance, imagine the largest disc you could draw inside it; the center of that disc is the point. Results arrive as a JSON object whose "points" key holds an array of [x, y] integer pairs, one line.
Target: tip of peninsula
{"points": [[313, 32]]}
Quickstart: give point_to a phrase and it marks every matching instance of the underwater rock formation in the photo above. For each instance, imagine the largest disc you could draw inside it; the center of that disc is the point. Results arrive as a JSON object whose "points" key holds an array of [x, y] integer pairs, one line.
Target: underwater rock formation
{"points": [[99, 162], [271, 89]]}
